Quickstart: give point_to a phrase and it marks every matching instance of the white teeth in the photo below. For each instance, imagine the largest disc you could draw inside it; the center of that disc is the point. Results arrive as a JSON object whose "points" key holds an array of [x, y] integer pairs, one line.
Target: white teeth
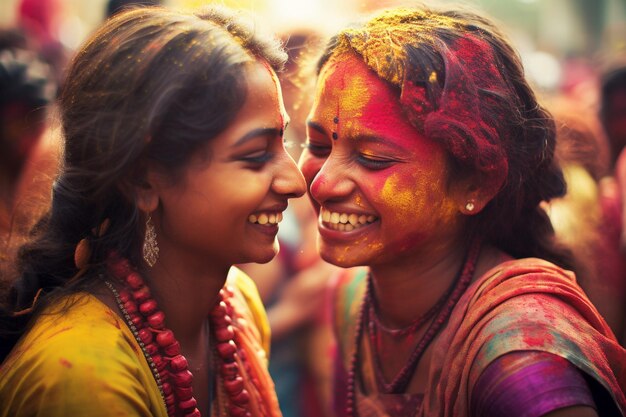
{"points": [[344, 221], [266, 219]]}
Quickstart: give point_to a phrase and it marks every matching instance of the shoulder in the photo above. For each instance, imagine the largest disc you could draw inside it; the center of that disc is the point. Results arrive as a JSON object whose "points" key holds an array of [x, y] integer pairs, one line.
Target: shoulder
{"points": [[525, 305], [77, 354], [250, 306], [529, 292], [523, 277], [78, 326], [534, 305], [527, 266], [244, 284]]}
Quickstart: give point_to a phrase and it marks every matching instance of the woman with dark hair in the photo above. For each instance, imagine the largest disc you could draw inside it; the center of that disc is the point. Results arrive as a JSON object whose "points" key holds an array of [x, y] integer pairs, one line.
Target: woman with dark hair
{"points": [[174, 170], [427, 159]]}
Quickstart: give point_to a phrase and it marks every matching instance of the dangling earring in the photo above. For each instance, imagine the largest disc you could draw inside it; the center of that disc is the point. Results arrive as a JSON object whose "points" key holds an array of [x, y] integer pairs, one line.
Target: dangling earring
{"points": [[469, 206], [150, 246]]}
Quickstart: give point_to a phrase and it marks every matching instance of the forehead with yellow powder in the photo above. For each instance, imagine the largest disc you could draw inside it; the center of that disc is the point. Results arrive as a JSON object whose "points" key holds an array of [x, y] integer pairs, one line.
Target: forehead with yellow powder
{"points": [[352, 101], [341, 95]]}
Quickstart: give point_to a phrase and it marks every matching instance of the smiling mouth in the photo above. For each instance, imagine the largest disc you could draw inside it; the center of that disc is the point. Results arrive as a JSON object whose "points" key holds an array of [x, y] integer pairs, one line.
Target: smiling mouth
{"points": [[266, 219], [345, 222]]}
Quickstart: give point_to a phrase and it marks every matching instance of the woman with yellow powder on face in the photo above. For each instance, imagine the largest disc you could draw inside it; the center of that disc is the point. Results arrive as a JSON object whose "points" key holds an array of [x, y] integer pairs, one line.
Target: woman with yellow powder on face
{"points": [[174, 170], [427, 157]]}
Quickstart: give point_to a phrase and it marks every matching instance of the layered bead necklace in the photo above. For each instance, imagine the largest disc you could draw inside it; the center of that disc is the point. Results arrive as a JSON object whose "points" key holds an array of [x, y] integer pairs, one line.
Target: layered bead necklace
{"points": [[162, 351], [368, 314]]}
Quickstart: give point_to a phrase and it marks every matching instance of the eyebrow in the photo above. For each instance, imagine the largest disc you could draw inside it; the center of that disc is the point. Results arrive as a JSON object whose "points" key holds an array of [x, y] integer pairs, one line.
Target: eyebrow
{"points": [[380, 140], [255, 133], [361, 138]]}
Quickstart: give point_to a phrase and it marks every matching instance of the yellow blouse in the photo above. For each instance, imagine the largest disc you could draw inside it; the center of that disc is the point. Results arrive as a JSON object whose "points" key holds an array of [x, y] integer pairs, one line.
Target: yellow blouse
{"points": [[86, 362]]}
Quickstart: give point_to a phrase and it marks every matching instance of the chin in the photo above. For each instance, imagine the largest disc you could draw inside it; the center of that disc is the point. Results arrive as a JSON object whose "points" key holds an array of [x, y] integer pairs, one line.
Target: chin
{"points": [[340, 261], [266, 255]]}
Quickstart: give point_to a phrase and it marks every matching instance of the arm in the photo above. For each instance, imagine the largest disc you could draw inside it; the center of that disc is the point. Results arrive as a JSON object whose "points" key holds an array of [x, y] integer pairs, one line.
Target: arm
{"points": [[532, 384]]}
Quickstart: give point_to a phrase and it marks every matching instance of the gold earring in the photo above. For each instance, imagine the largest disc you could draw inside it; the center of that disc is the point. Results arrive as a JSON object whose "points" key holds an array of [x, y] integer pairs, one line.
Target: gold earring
{"points": [[469, 206], [150, 246]]}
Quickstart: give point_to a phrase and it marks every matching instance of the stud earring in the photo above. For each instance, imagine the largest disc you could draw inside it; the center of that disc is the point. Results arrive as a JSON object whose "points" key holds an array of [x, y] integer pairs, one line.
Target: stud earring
{"points": [[150, 246], [470, 206]]}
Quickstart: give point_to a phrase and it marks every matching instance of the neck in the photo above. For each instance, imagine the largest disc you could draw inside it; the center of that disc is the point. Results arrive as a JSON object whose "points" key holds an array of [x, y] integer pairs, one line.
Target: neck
{"points": [[404, 290], [186, 293]]}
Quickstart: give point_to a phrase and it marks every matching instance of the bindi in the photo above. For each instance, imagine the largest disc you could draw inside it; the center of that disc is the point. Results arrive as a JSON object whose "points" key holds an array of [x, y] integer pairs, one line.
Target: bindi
{"points": [[336, 122]]}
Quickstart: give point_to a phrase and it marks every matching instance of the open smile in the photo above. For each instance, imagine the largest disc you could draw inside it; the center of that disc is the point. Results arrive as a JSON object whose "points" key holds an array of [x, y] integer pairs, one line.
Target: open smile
{"points": [[266, 219], [345, 222]]}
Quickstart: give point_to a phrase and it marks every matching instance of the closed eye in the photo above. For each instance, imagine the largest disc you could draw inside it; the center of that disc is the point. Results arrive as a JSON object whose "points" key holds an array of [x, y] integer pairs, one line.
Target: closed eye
{"points": [[321, 151], [257, 158], [375, 163]]}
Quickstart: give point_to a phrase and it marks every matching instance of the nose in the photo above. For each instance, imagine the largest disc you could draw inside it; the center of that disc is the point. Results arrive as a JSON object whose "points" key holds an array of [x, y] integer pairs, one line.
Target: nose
{"points": [[288, 180], [332, 181]]}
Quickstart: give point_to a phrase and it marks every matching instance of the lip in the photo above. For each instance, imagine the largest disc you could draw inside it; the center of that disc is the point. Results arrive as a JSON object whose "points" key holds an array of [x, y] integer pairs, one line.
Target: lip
{"points": [[279, 207], [330, 234], [342, 209], [271, 230], [268, 229]]}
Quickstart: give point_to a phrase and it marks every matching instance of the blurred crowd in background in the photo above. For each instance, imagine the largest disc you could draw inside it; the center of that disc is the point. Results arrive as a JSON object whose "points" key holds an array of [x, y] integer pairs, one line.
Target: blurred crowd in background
{"points": [[574, 52]]}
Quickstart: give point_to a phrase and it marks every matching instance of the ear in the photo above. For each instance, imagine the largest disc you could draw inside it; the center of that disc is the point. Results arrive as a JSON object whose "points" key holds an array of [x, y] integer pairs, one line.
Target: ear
{"points": [[473, 192], [141, 187]]}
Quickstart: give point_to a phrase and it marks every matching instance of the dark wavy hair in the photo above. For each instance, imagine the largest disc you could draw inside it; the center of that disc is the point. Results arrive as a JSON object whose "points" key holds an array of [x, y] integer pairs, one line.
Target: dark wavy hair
{"points": [[461, 83], [150, 85]]}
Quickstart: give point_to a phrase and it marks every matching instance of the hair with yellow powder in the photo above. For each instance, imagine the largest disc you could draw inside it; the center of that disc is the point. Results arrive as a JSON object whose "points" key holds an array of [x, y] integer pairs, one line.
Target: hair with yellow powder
{"points": [[461, 83]]}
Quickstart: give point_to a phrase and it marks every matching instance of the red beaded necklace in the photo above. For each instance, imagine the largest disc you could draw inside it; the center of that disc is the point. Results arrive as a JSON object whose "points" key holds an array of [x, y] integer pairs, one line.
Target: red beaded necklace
{"points": [[162, 351], [403, 378]]}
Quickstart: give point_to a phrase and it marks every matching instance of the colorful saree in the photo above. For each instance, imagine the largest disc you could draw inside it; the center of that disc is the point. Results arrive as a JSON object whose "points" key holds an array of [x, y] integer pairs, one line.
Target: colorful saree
{"points": [[521, 305]]}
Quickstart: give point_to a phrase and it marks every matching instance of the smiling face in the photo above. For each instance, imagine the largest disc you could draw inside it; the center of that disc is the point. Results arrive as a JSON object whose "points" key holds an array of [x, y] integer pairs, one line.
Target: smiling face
{"points": [[227, 206], [379, 187]]}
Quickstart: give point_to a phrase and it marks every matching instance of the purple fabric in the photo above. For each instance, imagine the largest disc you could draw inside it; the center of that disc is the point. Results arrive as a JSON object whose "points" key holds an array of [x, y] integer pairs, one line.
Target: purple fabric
{"points": [[529, 384]]}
